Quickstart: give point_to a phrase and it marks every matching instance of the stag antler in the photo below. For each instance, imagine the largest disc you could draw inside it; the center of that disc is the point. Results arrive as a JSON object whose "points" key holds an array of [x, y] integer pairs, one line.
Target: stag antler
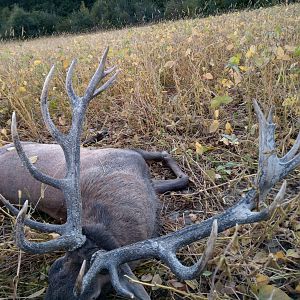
{"points": [[71, 232], [271, 170]]}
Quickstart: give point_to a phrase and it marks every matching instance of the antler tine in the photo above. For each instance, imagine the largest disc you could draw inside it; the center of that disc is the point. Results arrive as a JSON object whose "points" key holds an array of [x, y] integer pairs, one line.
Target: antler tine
{"points": [[69, 85], [45, 227], [164, 248], [96, 78], [57, 135], [106, 85], [78, 282], [293, 151], [272, 168], [63, 242], [114, 274], [31, 168]]}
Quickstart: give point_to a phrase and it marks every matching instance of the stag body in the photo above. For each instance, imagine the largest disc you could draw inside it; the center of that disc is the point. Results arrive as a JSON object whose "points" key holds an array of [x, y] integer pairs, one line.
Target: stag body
{"points": [[127, 211], [119, 203], [114, 177], [106, 196]]}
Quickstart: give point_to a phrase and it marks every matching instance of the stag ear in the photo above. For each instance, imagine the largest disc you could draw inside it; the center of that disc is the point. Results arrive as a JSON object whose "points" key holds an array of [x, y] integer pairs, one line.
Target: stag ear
{"points": [[135, 288]]}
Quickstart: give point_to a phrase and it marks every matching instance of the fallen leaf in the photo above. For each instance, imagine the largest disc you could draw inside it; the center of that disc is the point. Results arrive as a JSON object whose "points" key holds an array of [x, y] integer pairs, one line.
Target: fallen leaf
{"points": [[199, 148], [193, 217], [36, 294], [193, 284], [262, 279], [227, 83], [37, 62], [228, 128], [66, 63], [214, 126], [251, 52], [188, 51], [260, 257], [211, 174], [270, 292], [169, 64], [156, 280], [280, 255], [22, 89], [208, 76], [292, 253], [216, 114], [33, 159], [230, 47], [177, 284], [147, 277], [280, 54]]}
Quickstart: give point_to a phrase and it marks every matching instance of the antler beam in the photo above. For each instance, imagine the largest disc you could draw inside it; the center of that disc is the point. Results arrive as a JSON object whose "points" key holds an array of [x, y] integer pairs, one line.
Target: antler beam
{"points": [[71, 234], [271, 170]]}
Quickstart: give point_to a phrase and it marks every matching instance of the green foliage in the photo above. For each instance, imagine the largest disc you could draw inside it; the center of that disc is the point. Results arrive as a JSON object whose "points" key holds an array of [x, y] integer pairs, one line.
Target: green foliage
{"points": [[30, 18]]}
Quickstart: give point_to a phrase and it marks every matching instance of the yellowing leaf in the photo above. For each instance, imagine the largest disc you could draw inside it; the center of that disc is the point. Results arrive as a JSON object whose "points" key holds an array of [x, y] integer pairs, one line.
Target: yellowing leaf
{"points": [[193, 284], [237, 77], [230, 47], [66, 63], [208, 76], [293, 253], [188, 51], [214, 126], [22, 89], [270, 292], [37, 62], [211, 174], [244, 68], [169, 64], [227, 83], [220, 100], [251, 51], [228, 128], [262, 279], [33, 159], [289, 48], [216, 114], [281, 55], [199, 148], [280, 255], [3, 132]]}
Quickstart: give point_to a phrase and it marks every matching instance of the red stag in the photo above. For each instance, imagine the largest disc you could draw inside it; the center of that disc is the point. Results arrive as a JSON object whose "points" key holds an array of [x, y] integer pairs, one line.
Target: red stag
{"points": [[117, 221]]}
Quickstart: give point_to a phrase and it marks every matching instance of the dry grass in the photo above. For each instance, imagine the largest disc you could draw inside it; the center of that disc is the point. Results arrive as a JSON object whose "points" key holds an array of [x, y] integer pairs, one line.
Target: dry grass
{"points": [[162, 100]]}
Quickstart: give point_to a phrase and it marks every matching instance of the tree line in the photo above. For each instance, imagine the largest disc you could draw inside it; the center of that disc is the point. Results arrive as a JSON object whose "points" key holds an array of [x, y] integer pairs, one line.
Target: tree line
{"points": [[30, 18]]}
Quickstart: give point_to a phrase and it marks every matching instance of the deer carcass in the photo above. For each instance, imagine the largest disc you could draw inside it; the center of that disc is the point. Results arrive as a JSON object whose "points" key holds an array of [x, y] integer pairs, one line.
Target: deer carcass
{"points": [[105, 196], [272, 169]]}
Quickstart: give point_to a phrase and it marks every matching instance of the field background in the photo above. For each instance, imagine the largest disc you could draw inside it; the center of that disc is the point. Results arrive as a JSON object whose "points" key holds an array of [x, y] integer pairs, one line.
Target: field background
{"points": [[185, 87]]}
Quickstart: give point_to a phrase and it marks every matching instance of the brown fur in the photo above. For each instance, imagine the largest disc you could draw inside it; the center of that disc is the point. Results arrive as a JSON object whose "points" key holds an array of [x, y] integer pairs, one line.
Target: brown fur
{"points": [[119, 203]]}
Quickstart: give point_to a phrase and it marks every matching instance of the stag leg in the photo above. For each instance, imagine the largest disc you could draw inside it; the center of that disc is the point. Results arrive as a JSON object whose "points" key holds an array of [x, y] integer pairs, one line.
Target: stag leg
{"points": [[162, 186]]}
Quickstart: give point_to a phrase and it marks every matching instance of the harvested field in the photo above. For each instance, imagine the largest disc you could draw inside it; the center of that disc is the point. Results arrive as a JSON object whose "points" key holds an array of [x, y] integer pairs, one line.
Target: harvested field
{"points": [[185, 87]]}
